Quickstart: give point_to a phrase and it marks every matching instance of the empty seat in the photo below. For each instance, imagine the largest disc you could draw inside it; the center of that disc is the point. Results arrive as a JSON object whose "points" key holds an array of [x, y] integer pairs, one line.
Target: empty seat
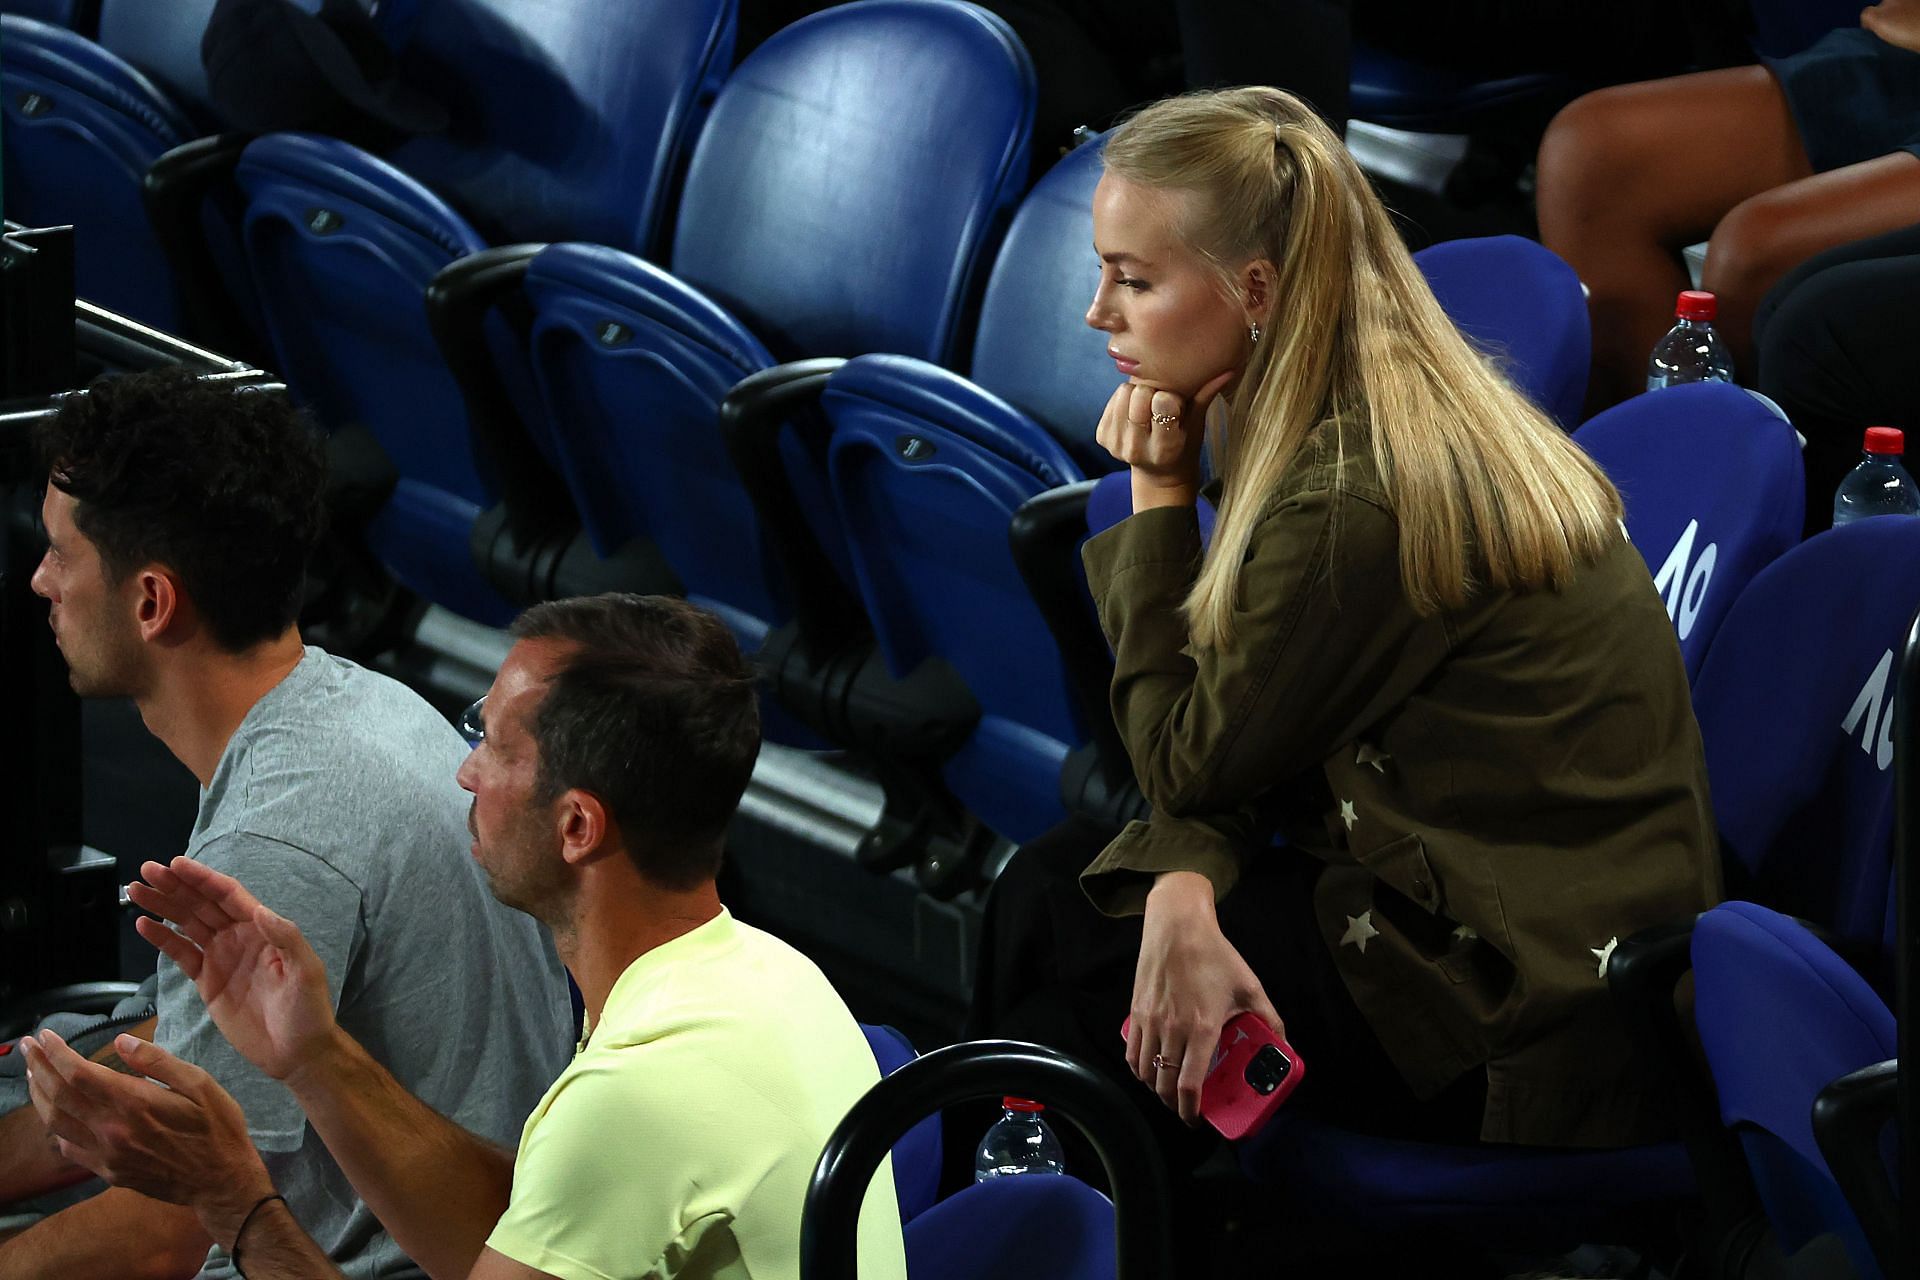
{"points": [[81, 128], [567, 121], [1780, 1018], [1714, 492], [843, 198], [1520, 303]]}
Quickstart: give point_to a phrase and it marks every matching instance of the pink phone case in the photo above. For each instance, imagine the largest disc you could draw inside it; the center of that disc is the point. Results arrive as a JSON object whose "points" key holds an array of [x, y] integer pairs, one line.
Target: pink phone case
{"points": [[1252, 1073]]}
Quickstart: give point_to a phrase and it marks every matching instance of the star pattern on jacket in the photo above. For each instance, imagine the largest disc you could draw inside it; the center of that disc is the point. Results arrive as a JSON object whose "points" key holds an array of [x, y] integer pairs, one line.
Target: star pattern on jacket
{"points": [[1359, 930], [1370, 754], [1348, 814], [1605, 954]]}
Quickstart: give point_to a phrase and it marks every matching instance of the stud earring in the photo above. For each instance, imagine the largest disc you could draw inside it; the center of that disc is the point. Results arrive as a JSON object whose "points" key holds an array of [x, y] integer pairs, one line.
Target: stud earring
{"points": [[1253, 334]]}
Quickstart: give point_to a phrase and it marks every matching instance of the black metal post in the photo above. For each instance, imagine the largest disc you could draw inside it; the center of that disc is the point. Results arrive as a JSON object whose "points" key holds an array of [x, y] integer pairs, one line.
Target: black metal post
{"points": [[989, 1069]]}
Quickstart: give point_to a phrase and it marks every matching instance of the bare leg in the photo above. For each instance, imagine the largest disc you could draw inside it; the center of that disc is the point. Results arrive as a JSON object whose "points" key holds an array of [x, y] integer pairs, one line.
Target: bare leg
{"points": [[1631, 175], [1767, 235]]}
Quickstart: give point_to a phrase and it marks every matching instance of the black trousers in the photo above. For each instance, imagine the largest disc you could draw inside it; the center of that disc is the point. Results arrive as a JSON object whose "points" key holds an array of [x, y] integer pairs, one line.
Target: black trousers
{"points": [[1055, 971], [1833, 344]]}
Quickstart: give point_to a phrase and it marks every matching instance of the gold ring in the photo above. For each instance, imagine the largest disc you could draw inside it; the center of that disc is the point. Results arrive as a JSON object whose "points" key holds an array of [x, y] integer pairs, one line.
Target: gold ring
{"points": [[1165, 419], [1160, 1063]]}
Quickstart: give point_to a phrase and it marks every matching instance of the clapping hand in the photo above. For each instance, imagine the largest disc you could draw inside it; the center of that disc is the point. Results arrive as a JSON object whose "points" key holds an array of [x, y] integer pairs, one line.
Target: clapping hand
{"points": [[262, 983], [186, 1143]]}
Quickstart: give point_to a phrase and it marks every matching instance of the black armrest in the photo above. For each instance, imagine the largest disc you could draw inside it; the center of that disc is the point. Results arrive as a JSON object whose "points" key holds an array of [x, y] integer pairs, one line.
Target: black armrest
{"points": [[990, 1069], [175, 191], [1906, 909], [827, 616], [459, 300], [1849, 1118], [1644, 974], [1045, 535]]}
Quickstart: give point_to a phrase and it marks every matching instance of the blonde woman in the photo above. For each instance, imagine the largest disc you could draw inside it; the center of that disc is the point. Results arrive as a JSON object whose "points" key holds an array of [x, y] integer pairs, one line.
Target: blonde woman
{"points": [[1419, 647]]}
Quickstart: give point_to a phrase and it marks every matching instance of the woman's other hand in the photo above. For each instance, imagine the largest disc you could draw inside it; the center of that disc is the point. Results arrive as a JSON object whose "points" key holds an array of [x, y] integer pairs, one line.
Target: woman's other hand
{"points": [[1159, 433], [1188, 983]]}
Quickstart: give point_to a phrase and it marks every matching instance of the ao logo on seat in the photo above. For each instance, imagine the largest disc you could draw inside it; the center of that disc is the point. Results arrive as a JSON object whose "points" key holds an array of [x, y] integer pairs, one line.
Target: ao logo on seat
{"points": [[1873, 709], [1683, 587]]}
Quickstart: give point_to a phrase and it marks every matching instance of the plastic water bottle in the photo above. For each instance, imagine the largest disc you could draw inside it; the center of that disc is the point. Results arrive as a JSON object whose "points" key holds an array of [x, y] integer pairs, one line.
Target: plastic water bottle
{"points": [[1879, 486], [1018, 1142], [1691, 351]]}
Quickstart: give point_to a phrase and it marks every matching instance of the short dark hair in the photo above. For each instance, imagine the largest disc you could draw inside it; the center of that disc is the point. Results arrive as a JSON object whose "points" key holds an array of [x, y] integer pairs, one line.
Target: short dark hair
{"points": [[223, 487], [655, 713]]}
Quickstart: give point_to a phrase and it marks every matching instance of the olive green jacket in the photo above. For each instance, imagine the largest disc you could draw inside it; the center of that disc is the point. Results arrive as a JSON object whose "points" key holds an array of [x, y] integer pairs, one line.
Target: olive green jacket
{"points": [[1509, 787]]}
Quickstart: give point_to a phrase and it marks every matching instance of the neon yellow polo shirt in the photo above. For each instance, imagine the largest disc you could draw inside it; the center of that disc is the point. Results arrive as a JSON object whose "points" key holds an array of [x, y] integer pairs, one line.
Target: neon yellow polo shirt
{"points": [[680, 1141]]}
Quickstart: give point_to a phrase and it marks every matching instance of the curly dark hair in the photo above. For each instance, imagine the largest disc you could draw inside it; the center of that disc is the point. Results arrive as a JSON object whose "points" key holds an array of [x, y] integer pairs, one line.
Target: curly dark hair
{"points": [[656, 714], [221, 486]]}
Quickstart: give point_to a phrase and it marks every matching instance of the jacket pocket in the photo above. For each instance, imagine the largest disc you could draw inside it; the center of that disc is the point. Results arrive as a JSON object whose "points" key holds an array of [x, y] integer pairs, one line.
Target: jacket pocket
{"points": [[1402, 866]]}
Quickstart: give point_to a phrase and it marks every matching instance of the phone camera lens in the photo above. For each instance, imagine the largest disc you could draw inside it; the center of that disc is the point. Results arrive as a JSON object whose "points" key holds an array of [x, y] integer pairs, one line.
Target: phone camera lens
{"points": [[1267, 1069]]}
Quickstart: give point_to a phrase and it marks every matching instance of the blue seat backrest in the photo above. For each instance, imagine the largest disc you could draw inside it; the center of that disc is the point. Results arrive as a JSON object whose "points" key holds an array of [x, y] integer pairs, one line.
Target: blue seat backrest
{"points": [[1796, 709], [341, 247], [77, 15], [927, 472], [618, 347], [1016, 1228], [1714, 491], [162, 40], [1034, 348], [568, 121], [81, 128], [916, 1156], [853, 175], [1518, 301], [1781, 1016], [1402, 93]]}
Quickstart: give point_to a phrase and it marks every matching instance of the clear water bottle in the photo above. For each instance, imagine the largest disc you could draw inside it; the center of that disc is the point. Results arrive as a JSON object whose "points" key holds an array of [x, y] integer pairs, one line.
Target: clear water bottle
{"points": [[1879, 486], [1018, 1142], [1691, 351]]}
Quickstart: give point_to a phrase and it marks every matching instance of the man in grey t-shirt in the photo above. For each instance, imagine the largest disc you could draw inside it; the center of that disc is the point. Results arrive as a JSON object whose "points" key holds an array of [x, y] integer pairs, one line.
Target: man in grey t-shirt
{"points": [[179, 518]]}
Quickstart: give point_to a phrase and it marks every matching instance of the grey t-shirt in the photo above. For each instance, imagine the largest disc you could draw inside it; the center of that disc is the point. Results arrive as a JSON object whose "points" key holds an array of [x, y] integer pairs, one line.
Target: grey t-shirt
{"points": [[335, 804]]}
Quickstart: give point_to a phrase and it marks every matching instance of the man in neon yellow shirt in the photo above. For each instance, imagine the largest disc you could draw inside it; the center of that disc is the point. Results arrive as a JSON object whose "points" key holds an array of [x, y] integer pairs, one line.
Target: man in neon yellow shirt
{"points": [[610, 753]]}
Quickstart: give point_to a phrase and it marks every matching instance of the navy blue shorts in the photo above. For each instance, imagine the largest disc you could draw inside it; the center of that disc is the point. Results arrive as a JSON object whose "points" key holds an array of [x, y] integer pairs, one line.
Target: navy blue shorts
{"points": [[1853, 97]]}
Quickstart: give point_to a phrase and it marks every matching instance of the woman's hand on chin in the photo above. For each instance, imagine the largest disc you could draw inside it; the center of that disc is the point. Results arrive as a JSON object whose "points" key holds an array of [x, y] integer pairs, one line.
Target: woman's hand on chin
{"points": [[1158, 433]]}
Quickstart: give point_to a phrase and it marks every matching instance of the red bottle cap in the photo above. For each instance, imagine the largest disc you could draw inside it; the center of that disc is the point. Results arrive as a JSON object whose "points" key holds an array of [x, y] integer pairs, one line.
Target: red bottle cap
{"points": [[1696, 304], [1885, 440], [1027, 1105]]}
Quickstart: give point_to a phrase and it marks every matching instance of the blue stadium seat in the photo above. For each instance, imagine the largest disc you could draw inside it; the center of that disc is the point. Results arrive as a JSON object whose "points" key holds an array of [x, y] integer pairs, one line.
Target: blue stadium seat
{"points": [[340, 247], [916, 1155], [569, 122], [1015, 1229], [1780, 1017], [1518, 301], [1796, 707], [843, 198], [81, 128], [75, 15], [163, 41], [1034, 348], [1714, 492], [927, 472], [1401, 93]]}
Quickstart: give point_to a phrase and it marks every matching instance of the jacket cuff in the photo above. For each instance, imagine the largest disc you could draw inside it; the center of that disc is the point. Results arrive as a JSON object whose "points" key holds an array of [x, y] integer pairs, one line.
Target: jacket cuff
{"points": [[1164, 536], [1117, 881]]}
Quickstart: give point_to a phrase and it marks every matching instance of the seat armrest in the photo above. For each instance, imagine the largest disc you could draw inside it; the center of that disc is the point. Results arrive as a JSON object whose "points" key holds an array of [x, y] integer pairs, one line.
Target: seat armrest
{"points": [[827, 617], [1045, 535], [1850, 1116], [175, 191], [1645, 974], [460, 299]]}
